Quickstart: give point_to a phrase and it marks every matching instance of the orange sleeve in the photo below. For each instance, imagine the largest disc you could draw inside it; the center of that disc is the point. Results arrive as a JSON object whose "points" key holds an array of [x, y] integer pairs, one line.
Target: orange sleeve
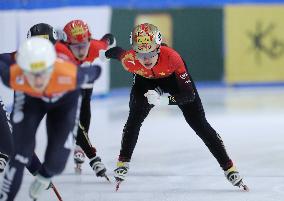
{"points": [[15, 71], [18, 81], [64, 77]]}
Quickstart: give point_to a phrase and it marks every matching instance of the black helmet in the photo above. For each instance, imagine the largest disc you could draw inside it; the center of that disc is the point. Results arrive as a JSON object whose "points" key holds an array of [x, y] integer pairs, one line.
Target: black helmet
{"points": [[43, 30]]}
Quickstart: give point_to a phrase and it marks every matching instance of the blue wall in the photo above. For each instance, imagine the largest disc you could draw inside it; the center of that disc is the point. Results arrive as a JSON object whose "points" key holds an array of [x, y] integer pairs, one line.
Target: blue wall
{"points": [[33, 4]]}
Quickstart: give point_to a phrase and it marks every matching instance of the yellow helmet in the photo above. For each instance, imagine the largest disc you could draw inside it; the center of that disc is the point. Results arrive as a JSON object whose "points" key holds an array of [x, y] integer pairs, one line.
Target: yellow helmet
{"points": [[145, 38]]}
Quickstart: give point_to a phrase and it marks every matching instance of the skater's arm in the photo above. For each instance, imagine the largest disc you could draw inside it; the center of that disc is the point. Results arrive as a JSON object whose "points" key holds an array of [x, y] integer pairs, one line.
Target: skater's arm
{"points": [[8, 58], [86, 76], [5, 61], [186, 92], [109, 39], [115, 53]]}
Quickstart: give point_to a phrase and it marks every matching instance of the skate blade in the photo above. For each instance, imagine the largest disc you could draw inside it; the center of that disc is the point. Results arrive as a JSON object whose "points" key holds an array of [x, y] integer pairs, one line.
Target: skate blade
{"points": [[107, 178], [245, 187], [118, 182], [78, 169]]}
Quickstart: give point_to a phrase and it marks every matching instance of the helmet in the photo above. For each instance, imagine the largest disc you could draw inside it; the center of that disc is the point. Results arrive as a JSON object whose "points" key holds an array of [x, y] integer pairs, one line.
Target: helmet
{"points": [[77, 31], [145, 38], [43, 30], [36, 55]]}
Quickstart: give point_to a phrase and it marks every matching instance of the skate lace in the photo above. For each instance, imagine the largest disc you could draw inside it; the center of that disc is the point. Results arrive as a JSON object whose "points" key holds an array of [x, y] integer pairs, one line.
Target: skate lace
{"points": [[234, 177], [98, 166], [120, 172], [2, 163]]}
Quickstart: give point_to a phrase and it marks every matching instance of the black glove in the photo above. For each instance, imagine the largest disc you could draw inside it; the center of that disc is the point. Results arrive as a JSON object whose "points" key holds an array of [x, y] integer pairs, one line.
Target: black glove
{"points": [[114, 53], [110, 39]]}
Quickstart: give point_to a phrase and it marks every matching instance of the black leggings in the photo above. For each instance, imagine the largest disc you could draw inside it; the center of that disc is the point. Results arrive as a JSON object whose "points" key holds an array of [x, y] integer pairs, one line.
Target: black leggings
{"points": [[193, 113], [6, 143], [61, 118], [82, 138]]}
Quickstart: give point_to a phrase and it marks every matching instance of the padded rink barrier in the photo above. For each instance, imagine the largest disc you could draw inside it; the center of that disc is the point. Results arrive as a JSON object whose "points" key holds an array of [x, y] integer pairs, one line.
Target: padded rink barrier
{"points": [[254, 39]]}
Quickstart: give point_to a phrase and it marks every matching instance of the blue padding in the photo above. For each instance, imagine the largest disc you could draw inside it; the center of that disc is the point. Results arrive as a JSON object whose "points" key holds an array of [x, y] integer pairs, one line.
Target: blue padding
{"points": [[145, 4]]}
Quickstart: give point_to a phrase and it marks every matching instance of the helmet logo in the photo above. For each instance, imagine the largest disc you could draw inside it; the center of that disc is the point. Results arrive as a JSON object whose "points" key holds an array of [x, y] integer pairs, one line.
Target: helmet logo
{"points": [[37, 66], [143, 40], [44, 36], [77, 30]]}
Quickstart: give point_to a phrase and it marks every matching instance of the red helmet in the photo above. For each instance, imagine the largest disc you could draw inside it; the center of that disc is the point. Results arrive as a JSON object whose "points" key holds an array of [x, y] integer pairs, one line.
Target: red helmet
{"points": [[77, 31]]}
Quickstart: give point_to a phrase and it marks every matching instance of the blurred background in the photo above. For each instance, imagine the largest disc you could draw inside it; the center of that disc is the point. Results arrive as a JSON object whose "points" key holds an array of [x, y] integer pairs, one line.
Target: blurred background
{"points": [[227, 42], [234, 50]]}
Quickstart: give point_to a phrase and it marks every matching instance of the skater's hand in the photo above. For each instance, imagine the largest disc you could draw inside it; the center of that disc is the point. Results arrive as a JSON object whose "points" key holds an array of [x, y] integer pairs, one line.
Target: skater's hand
{"points": [[110, 40], [154, 98]]}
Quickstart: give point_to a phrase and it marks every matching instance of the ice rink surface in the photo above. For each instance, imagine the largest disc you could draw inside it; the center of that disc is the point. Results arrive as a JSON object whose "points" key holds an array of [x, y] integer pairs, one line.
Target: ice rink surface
{"points": [[170, 163]]}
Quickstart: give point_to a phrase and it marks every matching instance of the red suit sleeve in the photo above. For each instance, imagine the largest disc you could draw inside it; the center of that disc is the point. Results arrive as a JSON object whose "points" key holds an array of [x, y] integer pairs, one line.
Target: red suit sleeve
{"points": [[186, 93], [63, 52]]}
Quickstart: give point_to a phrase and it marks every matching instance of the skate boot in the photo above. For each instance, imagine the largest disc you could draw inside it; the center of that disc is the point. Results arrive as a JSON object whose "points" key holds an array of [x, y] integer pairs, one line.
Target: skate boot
{"points": [[120, 172], [38, 186], [99, 168], [234, 178], [3, 161], [79, 159]]}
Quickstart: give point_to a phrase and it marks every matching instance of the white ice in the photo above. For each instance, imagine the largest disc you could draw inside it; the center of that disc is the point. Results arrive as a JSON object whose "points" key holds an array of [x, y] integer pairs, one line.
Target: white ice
{"points": [[170, 163]]}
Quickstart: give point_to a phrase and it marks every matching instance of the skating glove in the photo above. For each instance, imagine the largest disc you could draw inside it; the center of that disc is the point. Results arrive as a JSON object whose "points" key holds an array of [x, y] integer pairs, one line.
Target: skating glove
{"points": [[111, 43], [154, 98], [110, 40]]}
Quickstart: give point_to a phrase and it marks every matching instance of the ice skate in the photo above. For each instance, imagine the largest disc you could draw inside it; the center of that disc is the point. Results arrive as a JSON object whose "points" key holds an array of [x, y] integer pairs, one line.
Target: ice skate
{"points": [[99, 168], [3, 161], [234, 178], [79, 159], [38, 186], [120, 173]]}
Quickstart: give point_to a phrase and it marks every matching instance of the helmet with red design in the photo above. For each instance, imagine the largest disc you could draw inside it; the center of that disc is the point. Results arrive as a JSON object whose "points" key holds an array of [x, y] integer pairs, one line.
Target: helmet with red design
{"points": [[145, 38], [78, 38], [77, 31]]}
